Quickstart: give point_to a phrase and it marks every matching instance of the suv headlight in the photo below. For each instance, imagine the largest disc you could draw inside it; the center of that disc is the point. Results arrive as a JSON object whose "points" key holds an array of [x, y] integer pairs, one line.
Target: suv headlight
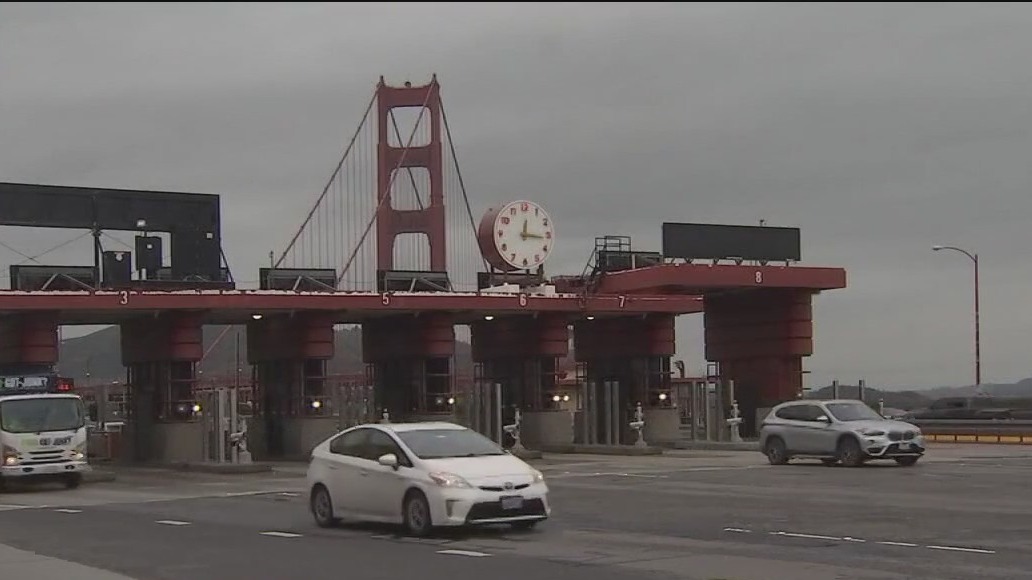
{"points": [[10, 456], [449, 480], [538, 476], [872, 432]]}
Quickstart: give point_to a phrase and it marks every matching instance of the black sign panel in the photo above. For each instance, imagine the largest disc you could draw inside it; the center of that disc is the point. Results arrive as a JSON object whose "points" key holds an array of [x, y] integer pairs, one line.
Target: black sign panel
{"points": [[18, 385], [30, 277], [191, 219], [715, 241]]}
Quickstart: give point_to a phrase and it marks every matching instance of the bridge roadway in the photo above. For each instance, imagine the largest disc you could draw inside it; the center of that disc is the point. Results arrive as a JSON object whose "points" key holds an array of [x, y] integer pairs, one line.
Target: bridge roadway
{"points": [[962, 513]]}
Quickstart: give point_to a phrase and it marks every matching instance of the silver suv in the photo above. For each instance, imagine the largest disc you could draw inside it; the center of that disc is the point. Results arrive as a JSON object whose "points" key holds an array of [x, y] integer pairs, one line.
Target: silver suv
{"points": [[846, 431]]}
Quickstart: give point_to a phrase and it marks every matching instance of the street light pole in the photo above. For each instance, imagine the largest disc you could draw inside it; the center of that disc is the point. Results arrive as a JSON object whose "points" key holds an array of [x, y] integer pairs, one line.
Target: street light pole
{"points": [[978, 341]]}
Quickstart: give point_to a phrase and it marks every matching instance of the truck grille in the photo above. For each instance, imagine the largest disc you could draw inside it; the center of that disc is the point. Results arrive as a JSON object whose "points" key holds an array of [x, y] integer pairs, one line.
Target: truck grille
{"points": [[45, 457]]}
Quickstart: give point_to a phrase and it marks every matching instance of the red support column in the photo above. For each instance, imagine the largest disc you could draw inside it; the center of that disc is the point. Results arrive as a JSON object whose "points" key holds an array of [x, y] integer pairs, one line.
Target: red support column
{"points": [[430, 220], [634, 353], [289, 354], [412, 358], [29, 339], [760, 338], [521, 353], [160, 354]]}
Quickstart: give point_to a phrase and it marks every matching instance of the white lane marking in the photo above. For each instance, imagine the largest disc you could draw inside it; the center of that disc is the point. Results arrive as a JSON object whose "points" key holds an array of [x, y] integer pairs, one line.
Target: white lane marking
{"points": [[172, 523], [246, 493], [959, 549], [652, 473], [607, 474], [281, 534], [807, 536], [463, 553], [68, 511], [863, 541]]}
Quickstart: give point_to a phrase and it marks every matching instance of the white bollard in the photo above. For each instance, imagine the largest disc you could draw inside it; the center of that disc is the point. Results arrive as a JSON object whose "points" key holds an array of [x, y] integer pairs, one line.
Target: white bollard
{"points": [[735, 423], [385, 417], [639, 425], [514, 430], [239, 439]]}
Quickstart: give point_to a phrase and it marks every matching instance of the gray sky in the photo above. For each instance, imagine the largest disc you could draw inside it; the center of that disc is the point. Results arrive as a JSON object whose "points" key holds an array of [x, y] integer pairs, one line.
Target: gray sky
{"points": [[878, 129]]}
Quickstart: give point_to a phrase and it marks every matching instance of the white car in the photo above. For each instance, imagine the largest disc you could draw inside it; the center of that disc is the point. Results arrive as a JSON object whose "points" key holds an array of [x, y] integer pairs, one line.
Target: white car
{"points": [[422, 475]]}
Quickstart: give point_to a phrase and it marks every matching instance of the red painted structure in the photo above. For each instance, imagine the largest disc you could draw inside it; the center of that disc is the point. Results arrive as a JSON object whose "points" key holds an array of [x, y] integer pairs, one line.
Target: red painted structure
{"points": [[758, 321]]}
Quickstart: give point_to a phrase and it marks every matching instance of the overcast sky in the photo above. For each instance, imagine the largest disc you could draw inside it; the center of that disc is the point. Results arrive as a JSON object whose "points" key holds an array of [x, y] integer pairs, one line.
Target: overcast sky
{"points": [[879, 130]]}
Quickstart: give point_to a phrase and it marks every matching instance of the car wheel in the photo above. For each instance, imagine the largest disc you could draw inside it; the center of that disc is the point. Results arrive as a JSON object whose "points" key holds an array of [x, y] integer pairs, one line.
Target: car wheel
{"points": [[776, 452], [417, 514], [526, 525], [322, 508], [849, 452], [73, 480], [908, 461]]}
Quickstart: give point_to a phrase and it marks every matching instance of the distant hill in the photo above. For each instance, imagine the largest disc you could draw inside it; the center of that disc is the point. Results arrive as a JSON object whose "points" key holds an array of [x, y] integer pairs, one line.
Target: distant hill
{"points": [[916, 399], [99, 354], [905, 400], [1022, 388]]}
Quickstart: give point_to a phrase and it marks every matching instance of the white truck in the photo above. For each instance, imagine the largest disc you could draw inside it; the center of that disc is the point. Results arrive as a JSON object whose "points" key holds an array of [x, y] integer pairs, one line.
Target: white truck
{"points": [[42, 431]]}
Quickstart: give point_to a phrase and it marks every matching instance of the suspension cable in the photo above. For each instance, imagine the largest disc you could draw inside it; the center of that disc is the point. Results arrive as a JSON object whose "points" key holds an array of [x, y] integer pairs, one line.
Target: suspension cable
{"points": [[329, 183], [40, 255], [462, 184]]}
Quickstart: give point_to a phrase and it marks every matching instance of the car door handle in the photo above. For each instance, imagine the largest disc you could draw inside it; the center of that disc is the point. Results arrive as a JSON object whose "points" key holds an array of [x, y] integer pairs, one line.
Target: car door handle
{"points": [[363, 473], [332, 467]]}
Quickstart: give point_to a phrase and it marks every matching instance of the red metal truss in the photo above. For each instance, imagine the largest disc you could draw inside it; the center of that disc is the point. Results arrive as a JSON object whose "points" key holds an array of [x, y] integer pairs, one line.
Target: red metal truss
{"points": [[698, 279]]}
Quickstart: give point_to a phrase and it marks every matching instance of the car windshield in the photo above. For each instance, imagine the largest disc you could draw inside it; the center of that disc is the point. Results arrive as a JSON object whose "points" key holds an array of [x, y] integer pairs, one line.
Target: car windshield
{"points": [[443, 443], [853, 412], [42, 415]]}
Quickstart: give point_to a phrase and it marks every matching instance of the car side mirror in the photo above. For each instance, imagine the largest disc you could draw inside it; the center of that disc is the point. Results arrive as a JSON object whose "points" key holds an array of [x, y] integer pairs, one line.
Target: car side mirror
{"points": [[823, 419], [388, 460]]}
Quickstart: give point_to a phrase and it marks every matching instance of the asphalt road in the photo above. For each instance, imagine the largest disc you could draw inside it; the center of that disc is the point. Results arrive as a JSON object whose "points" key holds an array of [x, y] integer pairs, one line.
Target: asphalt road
{"points": [[698, 516]]}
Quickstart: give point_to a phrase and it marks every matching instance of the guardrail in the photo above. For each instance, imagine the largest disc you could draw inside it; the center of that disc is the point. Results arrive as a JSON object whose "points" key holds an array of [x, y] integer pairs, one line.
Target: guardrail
{"points": [[998, 431]]}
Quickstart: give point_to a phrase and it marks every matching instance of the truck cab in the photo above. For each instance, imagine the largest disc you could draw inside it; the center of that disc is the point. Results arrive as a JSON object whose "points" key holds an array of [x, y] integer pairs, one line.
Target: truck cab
{"points": [[42, 431]]}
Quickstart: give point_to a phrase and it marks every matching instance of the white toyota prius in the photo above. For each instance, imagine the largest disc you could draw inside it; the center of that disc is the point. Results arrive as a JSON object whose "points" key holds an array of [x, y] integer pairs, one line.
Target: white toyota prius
{"points": [[422, 475]]}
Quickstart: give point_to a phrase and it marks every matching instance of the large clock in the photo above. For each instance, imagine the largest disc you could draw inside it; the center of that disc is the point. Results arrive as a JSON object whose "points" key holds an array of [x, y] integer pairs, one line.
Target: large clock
{"points": [[516, 236]]}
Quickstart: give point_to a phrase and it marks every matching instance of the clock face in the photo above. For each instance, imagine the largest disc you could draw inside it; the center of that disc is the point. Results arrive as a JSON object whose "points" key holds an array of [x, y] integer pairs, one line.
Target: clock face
{"points": [[522, 235]]}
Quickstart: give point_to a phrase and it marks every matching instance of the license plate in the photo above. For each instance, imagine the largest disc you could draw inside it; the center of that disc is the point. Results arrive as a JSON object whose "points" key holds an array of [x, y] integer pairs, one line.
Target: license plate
{"points": [[512, 503], [904, 446]]}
